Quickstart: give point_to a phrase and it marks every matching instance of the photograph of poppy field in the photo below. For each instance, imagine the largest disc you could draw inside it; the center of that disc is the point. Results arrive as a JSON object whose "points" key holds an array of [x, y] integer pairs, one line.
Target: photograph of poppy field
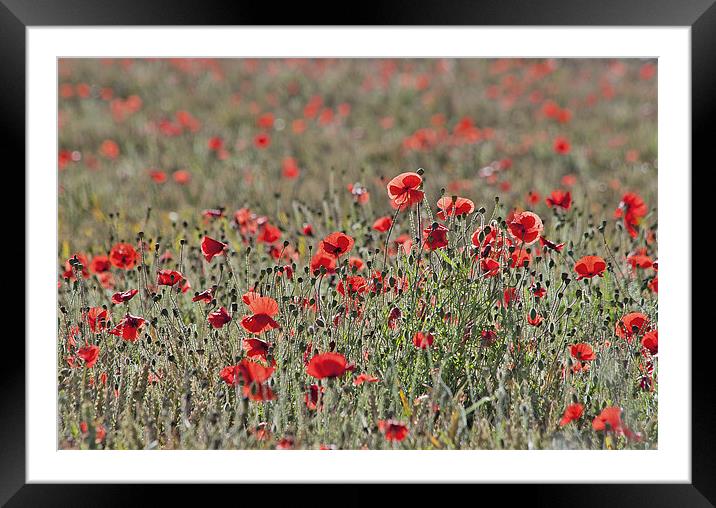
{"points": [[357, 254]]}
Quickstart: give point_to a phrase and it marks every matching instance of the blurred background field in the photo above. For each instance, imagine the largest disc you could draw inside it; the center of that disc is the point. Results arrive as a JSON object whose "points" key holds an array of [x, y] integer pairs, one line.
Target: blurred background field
{"points": [[343, 122]]}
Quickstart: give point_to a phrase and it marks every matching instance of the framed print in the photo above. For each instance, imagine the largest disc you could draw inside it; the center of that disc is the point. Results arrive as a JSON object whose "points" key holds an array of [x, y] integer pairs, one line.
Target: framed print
{"points": [[422, 247]]}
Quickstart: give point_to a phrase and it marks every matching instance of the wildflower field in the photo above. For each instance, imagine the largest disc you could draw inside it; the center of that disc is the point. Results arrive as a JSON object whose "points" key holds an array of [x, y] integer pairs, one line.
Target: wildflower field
{"points": [[357, 254]]}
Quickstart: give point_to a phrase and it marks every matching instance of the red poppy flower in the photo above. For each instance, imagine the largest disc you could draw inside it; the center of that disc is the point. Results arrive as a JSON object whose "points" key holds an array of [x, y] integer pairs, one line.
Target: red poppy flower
{"points": [[89, 354], [355, 283], [109, 149], [322, 259], [255, 347], [219, 317], [582, 352], [590, 266], [364, 378], [532, 198], [253, 376], [572, 413], [128, 328], [423, 340], [205, 296], [610, 419], [650, 341], [534, 319], [557, 247], [262, 141], [356, 262], [453, 205], [311, 397], [336, 244], [263, 309], [100, 264], [538, 291], [268, 234], [489, 267], [631, 325], [403, 190], [158, 176], [290, 168], [97, 318], [435, 237], [393, 430], [215, 143], [182, 176], [559, 198], [640, 261], [488, 337], [383, 224], [632, 209], [525, 227], [211, 247], [561, 145], [123, 256], [169, 277], [124, 297], [328, 365]]}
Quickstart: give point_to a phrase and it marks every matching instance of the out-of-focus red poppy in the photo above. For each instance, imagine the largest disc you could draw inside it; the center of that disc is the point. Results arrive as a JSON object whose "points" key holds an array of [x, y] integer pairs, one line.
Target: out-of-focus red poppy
{"points": [[169, 277], [263, 309], [211, 247], [454, 205], [72, 264], [109, 149], [364, 378], [100, 264], [632, 325], [561, 145], [404, 190], [124, 256], [393, 430], [89, 355], [337, 244], [435, 237], [582, 352], [590, 266], [328, 365], [525, 227], [219, 317], [559, 198], [423, 340], [119, 298], [158, 176], [610, 419], [290, 168], [572, 413], [268, 234], [262, 141], [532, 198], [182, 176], [383, 224], [128, 328]]}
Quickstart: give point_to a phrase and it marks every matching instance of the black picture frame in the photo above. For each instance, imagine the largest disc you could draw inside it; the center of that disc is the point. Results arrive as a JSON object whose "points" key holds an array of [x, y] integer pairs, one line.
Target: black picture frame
{"points": [[700, 15]]}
